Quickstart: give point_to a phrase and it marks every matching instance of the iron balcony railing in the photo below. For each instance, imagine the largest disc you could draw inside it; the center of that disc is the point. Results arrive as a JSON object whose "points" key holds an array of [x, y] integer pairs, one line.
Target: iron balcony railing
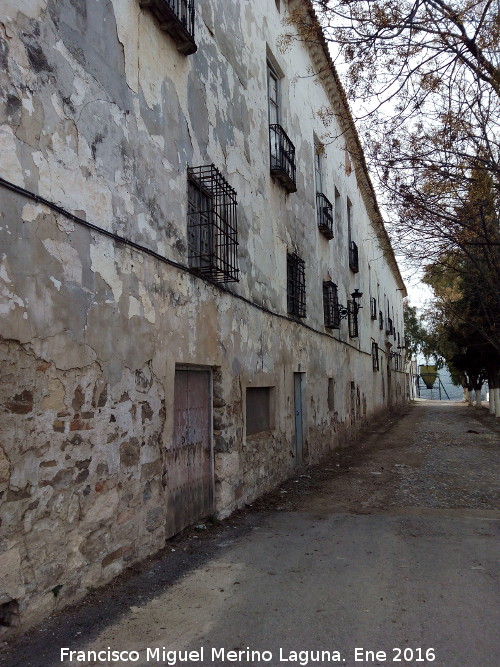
{"points": [[353, 257], [282, 153], [324, 210], [177, 18]]}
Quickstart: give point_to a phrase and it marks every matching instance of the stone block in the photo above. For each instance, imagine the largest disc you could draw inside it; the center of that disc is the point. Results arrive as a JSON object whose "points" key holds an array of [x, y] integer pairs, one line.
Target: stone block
{"points": [[11, 581]]}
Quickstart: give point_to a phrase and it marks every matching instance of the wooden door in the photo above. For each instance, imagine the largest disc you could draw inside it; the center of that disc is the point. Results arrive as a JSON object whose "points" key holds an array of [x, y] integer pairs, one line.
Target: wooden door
{"points": [[189, 472]]}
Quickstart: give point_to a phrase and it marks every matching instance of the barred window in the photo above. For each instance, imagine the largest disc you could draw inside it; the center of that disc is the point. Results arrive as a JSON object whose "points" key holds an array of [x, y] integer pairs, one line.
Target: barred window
{"points": [[352, 318], [375, 359], [212, 225], [331, 305], [296, 285]]}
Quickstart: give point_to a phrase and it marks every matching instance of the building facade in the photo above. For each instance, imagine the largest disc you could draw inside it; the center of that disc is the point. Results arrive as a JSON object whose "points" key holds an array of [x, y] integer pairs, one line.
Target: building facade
{"points": [[197, 290]]}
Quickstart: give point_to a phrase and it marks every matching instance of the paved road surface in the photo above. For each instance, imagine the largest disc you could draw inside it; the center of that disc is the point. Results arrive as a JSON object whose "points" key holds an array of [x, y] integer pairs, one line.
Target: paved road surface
{"points": [[390, 548]]}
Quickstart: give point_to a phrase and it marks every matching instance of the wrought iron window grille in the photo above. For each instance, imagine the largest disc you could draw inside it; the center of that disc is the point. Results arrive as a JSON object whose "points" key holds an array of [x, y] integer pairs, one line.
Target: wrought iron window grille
{"points": [[331, 306], [353, 257], [212, 225], [282, 153], [296, 285], [375, 357], [373, 308], [352, 319], [324, 211], [177, 18]]}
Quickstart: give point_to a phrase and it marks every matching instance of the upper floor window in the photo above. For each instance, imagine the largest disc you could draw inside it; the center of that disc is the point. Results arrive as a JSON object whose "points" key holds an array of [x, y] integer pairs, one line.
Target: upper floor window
{"points": [[352, 318], [375, 357], [212, 224], [318, 165], [331, 307], [373, 308], [353, 257], [296, 285], [274, 98], [177, 18], [282, 150]]}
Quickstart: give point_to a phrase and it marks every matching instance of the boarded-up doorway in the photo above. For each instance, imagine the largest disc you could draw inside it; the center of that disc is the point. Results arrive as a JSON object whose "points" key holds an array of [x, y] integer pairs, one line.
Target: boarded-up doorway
{"points": [[189, 470]]}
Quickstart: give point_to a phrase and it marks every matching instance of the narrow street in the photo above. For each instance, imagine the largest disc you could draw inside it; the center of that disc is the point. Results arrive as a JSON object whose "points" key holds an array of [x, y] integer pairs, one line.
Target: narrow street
{"points": [[389, 547]]}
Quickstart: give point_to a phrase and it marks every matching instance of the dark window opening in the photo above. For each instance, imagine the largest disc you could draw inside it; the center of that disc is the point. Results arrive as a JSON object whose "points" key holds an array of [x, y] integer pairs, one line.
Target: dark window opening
{"points": [[352, 318], [331, 306], [212, 225], [373, 308], [259, 409], [375, 358], [296, 285], [331, 394], [177, 18], [380, 320], [353, 257]]}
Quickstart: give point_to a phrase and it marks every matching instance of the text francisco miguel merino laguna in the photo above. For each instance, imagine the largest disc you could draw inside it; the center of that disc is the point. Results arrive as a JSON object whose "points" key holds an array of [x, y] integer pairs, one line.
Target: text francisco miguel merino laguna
{"points": [[170, 657]]}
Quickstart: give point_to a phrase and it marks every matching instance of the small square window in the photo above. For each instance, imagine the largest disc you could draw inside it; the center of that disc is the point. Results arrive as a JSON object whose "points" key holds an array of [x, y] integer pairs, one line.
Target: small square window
{"points": [[259, 409]]}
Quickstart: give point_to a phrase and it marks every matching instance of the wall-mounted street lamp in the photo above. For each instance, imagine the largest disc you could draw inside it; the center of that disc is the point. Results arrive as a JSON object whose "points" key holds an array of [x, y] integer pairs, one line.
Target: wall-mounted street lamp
{"points": [[344, 310], [351, 312]]}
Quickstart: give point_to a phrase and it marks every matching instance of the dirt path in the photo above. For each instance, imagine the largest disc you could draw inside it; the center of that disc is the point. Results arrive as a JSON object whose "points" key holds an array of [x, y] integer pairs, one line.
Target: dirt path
{"points": [[387, 546]]}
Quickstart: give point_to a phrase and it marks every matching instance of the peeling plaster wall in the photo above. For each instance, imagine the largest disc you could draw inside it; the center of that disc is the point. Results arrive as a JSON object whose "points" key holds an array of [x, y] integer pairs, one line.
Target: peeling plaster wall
{"points": [[101, 115]]}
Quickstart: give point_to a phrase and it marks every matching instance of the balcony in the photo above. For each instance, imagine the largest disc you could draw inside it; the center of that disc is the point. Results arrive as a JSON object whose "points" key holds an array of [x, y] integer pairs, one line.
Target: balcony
{"points": [[177, 18], [353, 257], [282, 158], [324, 211]]}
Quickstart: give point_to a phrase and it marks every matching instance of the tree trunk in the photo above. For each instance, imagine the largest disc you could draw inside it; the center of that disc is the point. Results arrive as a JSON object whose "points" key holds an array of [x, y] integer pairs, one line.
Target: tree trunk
{"points": [[479, 403], [491, 398], [496, 391]]}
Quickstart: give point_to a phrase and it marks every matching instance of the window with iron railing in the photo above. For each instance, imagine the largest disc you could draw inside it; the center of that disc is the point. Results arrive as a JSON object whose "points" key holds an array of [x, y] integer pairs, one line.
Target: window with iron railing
{"points": [[353, 257], [177, 18], [324, 211], [331, 306], [212, 225], [373, 308], [282, 153], [296, 285], [375, 358], [352, 318]]}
